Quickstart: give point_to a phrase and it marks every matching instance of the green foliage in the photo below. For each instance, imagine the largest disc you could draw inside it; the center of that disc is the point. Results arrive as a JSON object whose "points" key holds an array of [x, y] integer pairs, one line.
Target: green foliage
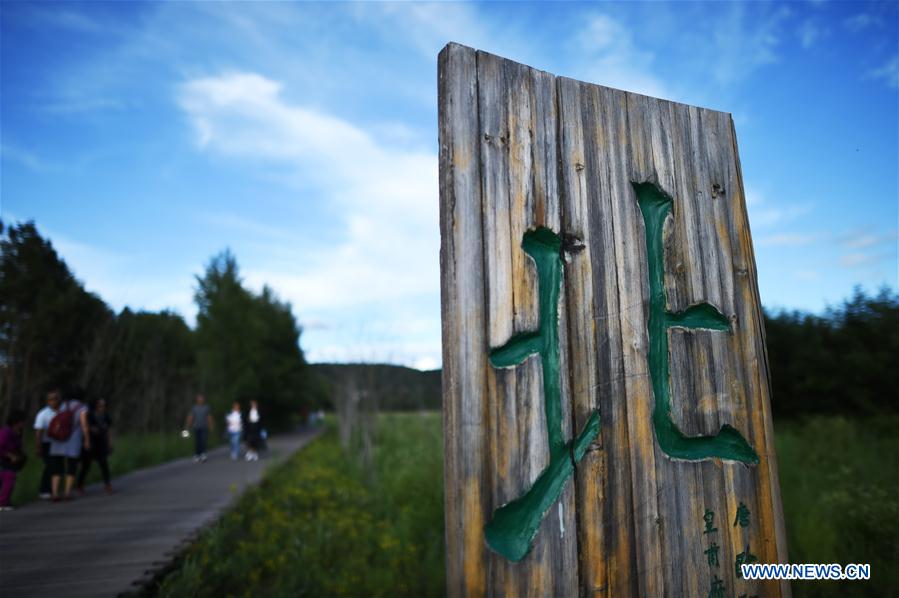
{"points": [[248, 345], [146, 365], [397, 388], [143, 364], [47, 319], [838, 482], [841, 363], [314, 527]]}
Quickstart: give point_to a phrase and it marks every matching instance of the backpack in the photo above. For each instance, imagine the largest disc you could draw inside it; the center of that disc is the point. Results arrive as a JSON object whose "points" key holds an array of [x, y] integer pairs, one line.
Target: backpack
{"points": [[61, 425]]}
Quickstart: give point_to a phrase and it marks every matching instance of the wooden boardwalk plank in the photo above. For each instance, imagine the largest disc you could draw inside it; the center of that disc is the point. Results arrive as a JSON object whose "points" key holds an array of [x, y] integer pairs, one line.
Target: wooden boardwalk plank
{"points": [[98, 545]]}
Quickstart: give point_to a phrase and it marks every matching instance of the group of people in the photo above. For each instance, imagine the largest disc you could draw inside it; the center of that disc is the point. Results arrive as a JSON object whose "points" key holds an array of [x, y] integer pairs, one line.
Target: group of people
{"points": [[200, 423], [68, 433]]}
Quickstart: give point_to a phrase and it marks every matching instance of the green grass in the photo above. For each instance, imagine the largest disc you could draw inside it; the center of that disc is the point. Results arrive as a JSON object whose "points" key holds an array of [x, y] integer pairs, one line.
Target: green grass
{"points": [[839, 479], [130, 452], [322, 525]]}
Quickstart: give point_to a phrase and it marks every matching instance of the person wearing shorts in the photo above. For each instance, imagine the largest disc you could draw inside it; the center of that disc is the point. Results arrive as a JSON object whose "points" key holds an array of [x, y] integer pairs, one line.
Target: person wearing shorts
{"points": [[42, 441], [64, 454]]}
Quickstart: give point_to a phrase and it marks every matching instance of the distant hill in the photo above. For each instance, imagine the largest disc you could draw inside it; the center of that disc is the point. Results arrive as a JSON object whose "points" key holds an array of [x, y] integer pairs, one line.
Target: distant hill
{"points": [[398, 388]]}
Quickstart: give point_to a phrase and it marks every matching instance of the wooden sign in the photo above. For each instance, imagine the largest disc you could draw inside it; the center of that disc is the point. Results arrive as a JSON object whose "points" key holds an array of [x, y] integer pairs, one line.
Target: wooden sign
{"points": [[605, 381]]}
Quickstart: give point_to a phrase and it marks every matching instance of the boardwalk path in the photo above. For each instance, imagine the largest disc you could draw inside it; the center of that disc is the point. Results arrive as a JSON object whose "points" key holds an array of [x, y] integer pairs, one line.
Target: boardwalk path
{"points": [[99, 545]]}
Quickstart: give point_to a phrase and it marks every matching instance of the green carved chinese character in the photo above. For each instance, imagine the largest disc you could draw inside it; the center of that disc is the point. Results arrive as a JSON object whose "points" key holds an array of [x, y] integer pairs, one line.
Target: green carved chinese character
{"points": [[744, 558], [717, 589], [712, 554], [709, 517], [742, 516], [728, 443], [512, 530]]}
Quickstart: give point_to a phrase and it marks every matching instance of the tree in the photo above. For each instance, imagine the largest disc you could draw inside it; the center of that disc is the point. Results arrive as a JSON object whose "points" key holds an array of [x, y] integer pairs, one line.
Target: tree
{"points": [[247, 345], [840, 362], [143, 364], [47, 319]]}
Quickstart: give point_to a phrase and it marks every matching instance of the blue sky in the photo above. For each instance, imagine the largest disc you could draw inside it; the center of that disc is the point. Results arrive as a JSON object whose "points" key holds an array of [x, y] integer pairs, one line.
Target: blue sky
{"points": [[143, 138]]}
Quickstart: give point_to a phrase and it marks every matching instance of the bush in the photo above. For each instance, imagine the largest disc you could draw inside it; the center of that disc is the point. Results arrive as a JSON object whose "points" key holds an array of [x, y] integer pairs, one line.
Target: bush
{"points": [[838, 480]]}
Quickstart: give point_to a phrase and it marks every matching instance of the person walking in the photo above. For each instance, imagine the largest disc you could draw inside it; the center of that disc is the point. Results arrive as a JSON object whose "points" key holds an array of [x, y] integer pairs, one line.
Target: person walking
{"points": [[234, 422], [69, 434], [98, 424], [12, 458], [42, 441], [254, 427], [199, 421]]}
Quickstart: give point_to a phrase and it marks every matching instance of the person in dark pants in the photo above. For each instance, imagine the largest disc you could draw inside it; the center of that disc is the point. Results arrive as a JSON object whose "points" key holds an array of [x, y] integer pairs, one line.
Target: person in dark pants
{"points": [[98, 424], [199, 421], [42, 442], [12, 458]]}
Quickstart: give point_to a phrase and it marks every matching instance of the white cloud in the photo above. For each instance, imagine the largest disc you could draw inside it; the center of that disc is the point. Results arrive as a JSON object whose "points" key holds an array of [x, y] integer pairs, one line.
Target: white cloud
{"points": [[426, 363], [810, 32], [120, 280], [763, 214], [861, 21], [744, 40], [856, 259], [888, 72], [246, 226], [388, 252], [867, 249], [862, 239], [615, 60], [428, 26], [24, 157], [72, 20], [787, 239]]}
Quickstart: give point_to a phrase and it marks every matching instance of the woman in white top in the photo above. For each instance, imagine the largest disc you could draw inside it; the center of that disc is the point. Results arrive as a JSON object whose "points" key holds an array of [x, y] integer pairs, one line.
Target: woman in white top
{"points": [[253, 429], [234, 423]]}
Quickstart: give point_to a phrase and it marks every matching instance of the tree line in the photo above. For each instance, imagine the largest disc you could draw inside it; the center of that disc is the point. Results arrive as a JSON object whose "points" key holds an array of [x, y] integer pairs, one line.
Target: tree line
{"points": [[841, 362], [147, 365]]}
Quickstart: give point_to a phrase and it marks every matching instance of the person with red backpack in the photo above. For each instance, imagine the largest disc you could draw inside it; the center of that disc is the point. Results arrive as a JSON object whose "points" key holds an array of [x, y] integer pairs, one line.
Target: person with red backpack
{"points": [[68, 433]]}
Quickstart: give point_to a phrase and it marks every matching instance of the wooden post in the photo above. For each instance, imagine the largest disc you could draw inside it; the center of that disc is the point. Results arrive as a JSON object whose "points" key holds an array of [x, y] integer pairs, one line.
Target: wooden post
{"points": [[606, 400]]}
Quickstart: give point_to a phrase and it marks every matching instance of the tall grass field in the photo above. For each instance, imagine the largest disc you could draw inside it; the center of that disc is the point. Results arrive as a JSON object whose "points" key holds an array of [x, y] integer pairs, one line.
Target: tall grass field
{"points": [[323, 524]]}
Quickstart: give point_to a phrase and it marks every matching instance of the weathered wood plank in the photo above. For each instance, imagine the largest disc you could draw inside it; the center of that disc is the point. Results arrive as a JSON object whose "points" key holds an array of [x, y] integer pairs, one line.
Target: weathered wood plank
{"points": [[99, 545], [603, 483], [660, 332], [518, 160], [466, 473]]}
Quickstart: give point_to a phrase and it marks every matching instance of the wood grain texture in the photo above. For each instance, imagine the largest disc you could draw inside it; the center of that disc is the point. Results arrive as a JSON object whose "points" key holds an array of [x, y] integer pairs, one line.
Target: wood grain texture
{"points": [[466, 471], [521, 148]]}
